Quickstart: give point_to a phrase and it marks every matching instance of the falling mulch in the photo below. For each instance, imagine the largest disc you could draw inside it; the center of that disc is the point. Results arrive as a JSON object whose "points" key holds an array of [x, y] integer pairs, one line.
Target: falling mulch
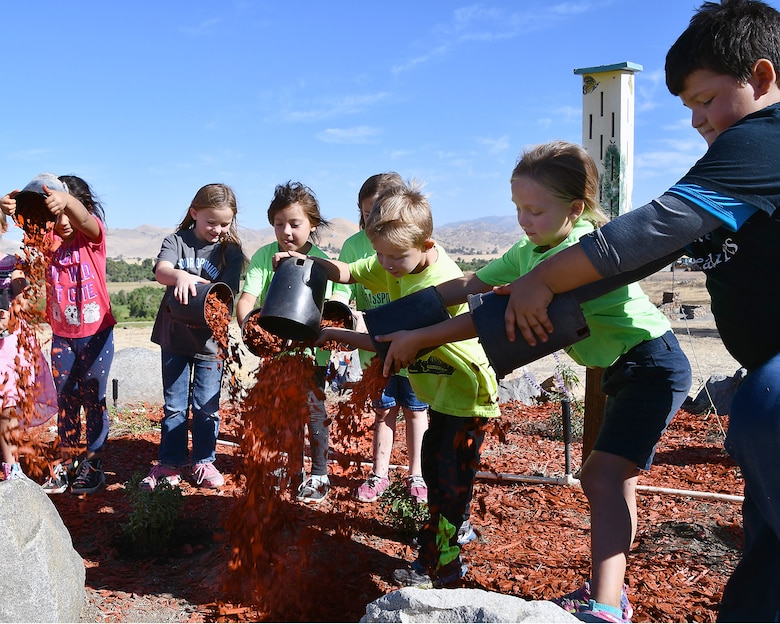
{"points": [[533, 540]]}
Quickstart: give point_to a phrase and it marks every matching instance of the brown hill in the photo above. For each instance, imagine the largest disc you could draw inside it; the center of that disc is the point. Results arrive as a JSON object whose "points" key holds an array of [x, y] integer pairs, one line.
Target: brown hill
{"points": [[485, 237]]}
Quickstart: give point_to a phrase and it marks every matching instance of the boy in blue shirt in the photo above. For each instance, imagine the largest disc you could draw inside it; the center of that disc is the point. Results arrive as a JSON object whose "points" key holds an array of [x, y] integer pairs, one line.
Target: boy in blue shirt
{"points": [[722, 213]]}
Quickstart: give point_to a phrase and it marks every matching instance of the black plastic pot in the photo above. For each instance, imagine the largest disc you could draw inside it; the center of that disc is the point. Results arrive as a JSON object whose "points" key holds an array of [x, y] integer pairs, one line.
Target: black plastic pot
{"points": [[194, 313], [293, 305], [420, 309], [487, 311]]}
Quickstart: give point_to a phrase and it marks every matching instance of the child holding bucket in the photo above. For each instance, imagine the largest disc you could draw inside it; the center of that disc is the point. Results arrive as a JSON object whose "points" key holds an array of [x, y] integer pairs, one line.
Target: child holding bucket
{"points": [[78, 309], [17, 377], [455, 379], [554, 187], [204, 249], [398, 392], [294, 213]]}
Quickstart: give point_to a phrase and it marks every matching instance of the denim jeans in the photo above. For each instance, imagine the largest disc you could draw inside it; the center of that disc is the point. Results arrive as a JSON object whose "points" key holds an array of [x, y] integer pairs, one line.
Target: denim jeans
{"points": [[80, 367], [753, 591], [190, 384]]}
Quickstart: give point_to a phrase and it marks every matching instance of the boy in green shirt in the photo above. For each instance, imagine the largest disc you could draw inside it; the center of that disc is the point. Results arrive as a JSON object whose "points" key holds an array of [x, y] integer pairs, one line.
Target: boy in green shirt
{"points": [[454, 379]]}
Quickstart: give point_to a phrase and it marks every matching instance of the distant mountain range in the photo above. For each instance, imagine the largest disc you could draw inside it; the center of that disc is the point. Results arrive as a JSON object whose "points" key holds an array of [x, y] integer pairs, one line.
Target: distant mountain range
{"points": [[484, 237]]}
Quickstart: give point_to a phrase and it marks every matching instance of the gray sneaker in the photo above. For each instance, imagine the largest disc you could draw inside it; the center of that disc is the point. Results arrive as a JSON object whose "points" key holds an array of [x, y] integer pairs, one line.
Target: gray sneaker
{"points": [[314, 490]]}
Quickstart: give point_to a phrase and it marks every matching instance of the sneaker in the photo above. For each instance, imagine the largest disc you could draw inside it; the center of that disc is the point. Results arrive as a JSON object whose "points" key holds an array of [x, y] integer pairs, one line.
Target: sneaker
{"points": [[373, 488], [314, 489], [207, 476], [12, 471], [417, 488], [89, 477], [580, 598], [59, 478], [466, 533], [595, 612], [157, 474], [416, 576]]}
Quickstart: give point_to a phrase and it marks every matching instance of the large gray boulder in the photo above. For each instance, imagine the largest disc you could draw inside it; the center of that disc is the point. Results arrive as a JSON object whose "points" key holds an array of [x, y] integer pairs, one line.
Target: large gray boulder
{"points": [[41, 574], [460, 605]]}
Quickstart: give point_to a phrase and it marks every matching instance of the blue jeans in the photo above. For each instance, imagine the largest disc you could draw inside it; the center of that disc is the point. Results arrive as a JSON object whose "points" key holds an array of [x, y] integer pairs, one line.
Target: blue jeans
{"points": [[399, 391], [80, 367], [190, 384], [753, 591]]}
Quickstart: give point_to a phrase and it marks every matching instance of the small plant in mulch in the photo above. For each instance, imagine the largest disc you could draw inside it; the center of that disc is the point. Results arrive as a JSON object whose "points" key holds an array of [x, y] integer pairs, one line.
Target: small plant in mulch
{"points": [[402, 512], [131, 421], [153, 514]]}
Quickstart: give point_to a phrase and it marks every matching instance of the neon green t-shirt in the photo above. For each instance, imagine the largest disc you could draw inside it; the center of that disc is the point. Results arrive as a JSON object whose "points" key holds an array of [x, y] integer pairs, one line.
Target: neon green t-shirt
{"points": [[357, 247], [618, 321], [456, 378], [258, 279]]}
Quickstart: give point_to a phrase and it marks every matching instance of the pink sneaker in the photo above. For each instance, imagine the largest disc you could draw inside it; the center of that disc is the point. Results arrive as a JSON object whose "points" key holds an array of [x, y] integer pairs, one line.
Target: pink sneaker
{"points": [[157, 474], [580, 599], [373, 488], [207, 476], [417, 488]]}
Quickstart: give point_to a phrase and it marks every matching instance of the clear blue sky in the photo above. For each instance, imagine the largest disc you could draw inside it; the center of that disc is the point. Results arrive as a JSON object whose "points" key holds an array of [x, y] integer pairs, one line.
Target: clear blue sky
{"points": [[148, 101]]}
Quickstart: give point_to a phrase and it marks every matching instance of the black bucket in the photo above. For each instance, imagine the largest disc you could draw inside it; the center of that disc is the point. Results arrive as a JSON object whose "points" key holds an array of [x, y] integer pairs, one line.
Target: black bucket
{"points": [[31, 212], [293, 305], [487, 311], [338, 313], [194, 313], [420, 309]]}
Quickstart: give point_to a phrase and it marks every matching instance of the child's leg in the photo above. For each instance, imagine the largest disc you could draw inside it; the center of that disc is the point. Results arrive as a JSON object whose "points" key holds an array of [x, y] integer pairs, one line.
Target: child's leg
{"points": [[385, 421], [319, 428], [176, 372], [609, 482], [644, 389], [63, 364], [753, 591], [206, 387], [8, 425], [95, 356]]}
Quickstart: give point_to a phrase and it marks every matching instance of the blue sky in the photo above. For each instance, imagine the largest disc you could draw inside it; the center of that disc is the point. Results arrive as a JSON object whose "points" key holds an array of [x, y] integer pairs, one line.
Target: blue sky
{"points": [[148, 101]]}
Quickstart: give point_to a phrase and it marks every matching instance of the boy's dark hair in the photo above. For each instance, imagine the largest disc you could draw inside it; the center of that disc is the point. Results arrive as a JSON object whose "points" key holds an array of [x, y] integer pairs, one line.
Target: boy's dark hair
{"points": [[83, 192], [725, 38], [295, 192], [374, 186]]}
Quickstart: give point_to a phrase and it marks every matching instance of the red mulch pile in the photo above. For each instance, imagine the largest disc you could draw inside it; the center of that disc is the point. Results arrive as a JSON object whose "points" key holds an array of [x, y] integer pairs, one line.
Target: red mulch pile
{"points": [[533, 537]]}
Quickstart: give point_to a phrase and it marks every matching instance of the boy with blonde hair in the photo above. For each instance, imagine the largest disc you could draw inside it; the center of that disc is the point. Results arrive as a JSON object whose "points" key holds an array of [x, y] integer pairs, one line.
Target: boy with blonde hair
{"points": [[455, 380]]}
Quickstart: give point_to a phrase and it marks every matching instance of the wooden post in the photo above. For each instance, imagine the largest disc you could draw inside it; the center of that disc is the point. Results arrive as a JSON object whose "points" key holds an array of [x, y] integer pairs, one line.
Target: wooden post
{"points": [[595, 400]]}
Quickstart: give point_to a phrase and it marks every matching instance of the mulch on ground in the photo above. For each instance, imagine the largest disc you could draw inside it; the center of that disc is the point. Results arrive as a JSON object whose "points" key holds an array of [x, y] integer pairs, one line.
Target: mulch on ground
{"points": [[534, 540]]}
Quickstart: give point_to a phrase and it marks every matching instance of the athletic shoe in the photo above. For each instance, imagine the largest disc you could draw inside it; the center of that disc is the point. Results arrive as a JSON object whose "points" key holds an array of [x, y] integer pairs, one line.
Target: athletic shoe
{"points": [[157, 474], [580, 598], [417, 489], [59, 478], [314, 489], [373, 488], [595, 612], [416, 576], [12, 471], [89, 477], [466, 533], [207, 476]]}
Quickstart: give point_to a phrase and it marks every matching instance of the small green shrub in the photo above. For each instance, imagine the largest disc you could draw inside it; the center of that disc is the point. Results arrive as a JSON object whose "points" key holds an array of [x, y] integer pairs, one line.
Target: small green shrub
{"points": [[401, 510], [153, 513]]}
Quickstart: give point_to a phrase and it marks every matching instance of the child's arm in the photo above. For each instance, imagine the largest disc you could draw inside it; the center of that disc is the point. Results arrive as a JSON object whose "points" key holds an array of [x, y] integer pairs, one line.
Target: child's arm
{"points": [[355, 339], [183, 282], [337, 271], [458, 290], [80, 218], [245, 304], [8, 203], [406, 344]]}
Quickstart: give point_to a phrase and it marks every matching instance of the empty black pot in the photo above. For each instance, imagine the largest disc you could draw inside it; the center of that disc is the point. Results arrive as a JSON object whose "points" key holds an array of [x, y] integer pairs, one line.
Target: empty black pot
{"points": [[487, 311]]}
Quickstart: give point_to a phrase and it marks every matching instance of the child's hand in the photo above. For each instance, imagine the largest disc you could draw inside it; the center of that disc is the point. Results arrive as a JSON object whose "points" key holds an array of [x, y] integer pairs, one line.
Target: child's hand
{"points": [[185, 286], [4, 315], [8, 203], [326, 335], [56, 201], [403, 350], [282, 255], [527, 309]]}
